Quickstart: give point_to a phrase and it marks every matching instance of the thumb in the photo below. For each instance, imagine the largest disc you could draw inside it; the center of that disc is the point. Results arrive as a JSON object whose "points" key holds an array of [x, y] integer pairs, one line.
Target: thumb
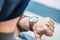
{"points": [[38, 36]]}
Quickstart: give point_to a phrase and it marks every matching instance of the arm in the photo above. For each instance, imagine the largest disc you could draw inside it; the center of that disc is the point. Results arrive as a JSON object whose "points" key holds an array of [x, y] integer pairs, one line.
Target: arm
{"points": [[8, 26], [43, 26]]}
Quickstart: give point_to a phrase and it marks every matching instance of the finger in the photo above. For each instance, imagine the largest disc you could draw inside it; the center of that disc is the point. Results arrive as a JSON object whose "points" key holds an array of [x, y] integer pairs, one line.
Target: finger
{"points": [[50, 20], [51, 24], [50, 27], [38, 36], [47, 31]]}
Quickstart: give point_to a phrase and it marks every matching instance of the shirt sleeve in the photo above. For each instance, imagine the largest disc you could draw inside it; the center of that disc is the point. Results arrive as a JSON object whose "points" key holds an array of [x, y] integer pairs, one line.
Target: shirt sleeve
{"points": [[12, 9]]}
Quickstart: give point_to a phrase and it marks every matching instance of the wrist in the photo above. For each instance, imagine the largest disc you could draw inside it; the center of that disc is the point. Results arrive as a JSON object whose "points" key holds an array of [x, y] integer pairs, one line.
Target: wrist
{"points": [[24, 23], [32, 21]]}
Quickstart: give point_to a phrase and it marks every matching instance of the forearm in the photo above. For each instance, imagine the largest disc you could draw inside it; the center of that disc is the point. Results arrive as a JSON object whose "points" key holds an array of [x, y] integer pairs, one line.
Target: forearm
{"points": [[8, 26]]}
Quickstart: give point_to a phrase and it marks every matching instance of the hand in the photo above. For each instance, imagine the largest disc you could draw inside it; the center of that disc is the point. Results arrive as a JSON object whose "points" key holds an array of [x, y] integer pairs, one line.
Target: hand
{"points": [[43, 26]]}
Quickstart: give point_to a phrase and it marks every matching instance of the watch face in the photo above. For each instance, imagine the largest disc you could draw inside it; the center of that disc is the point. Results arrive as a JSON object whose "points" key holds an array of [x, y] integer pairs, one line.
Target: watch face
{"points": [[33, 19]]}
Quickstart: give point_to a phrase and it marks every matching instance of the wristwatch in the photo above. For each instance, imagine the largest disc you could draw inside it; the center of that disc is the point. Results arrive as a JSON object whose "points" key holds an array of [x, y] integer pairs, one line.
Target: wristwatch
{"points": [[32, 21]]}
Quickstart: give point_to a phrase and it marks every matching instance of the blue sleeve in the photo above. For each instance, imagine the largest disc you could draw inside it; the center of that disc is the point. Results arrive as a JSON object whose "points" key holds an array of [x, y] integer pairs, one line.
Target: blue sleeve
{"points": [[12, 8]]}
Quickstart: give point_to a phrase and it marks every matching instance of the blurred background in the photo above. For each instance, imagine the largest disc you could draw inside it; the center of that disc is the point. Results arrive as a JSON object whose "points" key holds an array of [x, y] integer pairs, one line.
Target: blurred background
{"points": [[45, 8]]}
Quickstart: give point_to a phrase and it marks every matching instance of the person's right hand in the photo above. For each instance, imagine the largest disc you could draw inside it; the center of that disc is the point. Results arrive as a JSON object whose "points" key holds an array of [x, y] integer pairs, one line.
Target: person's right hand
{"points": [[43, 26]]}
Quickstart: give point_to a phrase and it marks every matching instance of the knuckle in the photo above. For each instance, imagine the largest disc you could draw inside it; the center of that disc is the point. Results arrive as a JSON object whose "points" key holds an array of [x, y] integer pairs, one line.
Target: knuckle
{"points": [[47, 23], [51, 34], [45, 28]]}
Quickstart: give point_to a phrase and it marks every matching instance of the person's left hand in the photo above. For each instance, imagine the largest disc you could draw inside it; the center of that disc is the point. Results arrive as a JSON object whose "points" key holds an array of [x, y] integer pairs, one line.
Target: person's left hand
{"points": [[43, 26]]}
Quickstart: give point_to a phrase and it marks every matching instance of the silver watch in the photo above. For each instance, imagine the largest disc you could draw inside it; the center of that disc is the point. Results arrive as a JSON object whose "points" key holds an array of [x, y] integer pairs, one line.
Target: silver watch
{"points": [[32, 21]]}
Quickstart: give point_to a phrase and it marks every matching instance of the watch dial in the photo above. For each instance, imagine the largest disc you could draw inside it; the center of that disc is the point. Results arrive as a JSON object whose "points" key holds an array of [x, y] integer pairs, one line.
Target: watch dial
{"points": [[33, 19]]}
